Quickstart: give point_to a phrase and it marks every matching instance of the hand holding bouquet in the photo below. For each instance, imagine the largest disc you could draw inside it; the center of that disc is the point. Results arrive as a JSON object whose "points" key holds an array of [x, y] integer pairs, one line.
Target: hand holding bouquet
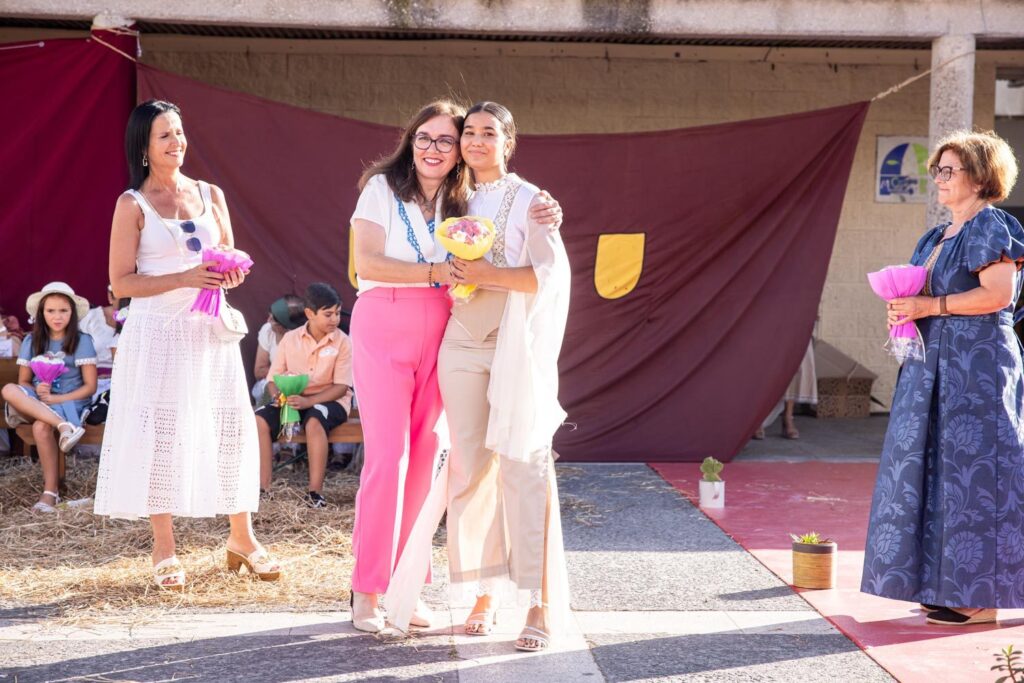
{"points": [[208, 300], [469, 238], [48, 367], [895, 282], [289, 385]]}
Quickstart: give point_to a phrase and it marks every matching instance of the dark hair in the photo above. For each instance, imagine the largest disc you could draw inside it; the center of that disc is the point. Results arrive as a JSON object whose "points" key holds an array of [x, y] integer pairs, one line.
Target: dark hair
{"points": [[136, 137], [41, 333], [400, 172], [320, 295], [504, 116]]}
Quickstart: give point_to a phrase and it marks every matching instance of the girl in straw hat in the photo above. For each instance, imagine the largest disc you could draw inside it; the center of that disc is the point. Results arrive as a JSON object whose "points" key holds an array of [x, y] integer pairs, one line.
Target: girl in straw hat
{"points": [[54, 409]]}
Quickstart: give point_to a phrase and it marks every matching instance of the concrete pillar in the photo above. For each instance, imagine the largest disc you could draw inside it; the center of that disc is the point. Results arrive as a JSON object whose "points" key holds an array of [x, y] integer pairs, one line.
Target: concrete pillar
{"points": [[952, 99]]}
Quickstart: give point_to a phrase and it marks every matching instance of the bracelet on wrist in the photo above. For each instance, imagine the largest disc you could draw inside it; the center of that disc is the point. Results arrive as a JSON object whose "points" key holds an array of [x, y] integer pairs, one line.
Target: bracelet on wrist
{"points": [[943, 311]]}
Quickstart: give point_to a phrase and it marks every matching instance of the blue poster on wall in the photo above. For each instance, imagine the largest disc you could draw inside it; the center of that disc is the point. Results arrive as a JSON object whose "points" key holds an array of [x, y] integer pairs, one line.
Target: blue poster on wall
{"points": [[901, 170]]}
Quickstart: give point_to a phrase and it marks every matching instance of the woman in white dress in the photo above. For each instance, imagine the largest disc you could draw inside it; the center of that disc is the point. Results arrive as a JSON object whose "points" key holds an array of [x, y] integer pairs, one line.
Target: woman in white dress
{"points": [[180, 436], [498, 374]]}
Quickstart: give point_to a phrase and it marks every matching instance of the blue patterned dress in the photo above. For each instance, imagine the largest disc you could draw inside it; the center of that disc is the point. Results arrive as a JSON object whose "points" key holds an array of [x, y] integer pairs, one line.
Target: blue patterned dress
{"points": [[947, 517]]}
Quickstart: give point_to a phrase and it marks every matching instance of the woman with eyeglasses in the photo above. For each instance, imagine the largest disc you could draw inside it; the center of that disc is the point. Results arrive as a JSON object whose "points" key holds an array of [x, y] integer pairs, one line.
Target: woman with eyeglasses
{"points": [[498, 374], [947, 519], [398, 321], [180, 435]]}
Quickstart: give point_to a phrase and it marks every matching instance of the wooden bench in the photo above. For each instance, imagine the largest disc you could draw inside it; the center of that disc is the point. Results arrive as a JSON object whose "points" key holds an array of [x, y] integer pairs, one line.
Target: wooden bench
{"points": [[349, 432], [8, 375]]}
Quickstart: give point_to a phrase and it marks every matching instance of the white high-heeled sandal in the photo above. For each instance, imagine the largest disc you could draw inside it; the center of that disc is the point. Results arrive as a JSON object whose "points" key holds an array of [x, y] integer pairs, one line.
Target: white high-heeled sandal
{"points": [[169, 574], [40, 506], [539, 637], [70, 438], [259, 563]]}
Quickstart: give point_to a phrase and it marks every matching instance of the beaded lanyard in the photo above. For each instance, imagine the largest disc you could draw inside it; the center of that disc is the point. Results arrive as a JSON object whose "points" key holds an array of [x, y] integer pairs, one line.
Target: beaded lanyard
{"points": [[410, 234]]}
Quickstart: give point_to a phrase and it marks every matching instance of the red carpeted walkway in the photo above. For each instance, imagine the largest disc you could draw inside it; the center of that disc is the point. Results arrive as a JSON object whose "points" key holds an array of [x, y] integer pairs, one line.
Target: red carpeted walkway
{"points": [[765, 501]]}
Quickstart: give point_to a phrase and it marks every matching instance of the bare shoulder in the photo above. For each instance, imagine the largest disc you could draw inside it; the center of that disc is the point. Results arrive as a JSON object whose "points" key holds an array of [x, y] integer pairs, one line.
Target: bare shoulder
{"points": [[128, 206], [217, 195]]}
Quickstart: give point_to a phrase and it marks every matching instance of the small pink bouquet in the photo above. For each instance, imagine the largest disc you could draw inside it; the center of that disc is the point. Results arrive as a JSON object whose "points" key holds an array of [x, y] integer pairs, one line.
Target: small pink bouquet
{"points": [[895, 282], [468, 237], [48, 367], [208, 300]]}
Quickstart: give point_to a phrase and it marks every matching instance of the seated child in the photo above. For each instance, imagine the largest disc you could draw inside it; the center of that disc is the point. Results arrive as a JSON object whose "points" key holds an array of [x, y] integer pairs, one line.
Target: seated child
{"points": [[56, 311], [324, 353]]}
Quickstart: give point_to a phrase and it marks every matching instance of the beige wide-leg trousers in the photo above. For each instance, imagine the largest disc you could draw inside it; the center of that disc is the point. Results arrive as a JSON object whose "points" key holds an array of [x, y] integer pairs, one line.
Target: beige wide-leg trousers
{"points": [[496, 506]]}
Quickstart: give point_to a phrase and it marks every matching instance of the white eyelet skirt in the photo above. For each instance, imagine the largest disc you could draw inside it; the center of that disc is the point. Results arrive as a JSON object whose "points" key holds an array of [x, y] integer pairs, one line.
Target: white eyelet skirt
{"points": [[180, 436]]}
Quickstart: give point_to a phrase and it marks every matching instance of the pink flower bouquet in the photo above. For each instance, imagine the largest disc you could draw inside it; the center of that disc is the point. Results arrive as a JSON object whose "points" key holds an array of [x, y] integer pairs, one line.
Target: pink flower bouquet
{"points": [[468, 237], [208, 300], [48, 367], [894, 282]]}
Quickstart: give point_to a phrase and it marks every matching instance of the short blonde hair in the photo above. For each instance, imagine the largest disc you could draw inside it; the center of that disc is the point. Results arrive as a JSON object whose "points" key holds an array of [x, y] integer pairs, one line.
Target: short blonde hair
{"points": [[986, 158]]}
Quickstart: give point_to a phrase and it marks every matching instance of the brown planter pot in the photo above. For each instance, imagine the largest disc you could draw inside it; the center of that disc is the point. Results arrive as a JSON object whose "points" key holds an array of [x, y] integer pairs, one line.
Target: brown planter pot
{"points": [[814, 565]]}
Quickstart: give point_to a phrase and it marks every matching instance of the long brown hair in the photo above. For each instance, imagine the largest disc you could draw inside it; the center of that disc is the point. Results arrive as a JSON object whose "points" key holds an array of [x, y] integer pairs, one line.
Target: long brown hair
{"points": [[400, 172], [41, 332]]}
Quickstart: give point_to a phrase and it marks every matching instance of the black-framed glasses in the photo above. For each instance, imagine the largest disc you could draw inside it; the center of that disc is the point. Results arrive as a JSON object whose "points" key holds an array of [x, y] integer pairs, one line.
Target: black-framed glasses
{"points": [[443, 144], [193, 243], [943, 173]]}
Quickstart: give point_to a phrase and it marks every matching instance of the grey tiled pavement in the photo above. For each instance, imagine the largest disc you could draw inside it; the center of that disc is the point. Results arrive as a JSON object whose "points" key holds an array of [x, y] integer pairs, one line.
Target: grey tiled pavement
{"points": [[659, 594]]}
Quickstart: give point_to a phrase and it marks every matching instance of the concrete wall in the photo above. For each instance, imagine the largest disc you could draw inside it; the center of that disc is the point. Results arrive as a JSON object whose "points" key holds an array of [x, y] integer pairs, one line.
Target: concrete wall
{"points": [[871, 19]]}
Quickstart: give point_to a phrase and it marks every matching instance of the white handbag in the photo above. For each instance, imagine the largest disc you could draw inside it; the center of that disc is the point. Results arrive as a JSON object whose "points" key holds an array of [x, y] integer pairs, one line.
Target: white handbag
{"points": [[230, 325]]}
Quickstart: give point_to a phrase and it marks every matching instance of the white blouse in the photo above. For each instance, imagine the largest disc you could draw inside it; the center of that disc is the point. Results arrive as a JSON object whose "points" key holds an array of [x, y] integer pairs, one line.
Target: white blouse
{"points": [[378, 204], [486, 202]]}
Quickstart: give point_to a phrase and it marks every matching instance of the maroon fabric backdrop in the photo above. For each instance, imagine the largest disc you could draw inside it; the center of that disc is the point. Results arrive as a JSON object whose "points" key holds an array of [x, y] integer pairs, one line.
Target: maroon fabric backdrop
{"points": [[739, 221], [65, 105]]}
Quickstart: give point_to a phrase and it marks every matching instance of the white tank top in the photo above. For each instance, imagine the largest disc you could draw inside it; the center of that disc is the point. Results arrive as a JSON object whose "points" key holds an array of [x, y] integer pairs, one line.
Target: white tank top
{"points": [[162, 242]]}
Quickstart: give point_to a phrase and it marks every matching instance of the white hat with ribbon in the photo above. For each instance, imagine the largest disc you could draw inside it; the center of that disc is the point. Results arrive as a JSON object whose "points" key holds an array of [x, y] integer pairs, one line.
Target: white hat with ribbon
{"points": [[81, 303]]}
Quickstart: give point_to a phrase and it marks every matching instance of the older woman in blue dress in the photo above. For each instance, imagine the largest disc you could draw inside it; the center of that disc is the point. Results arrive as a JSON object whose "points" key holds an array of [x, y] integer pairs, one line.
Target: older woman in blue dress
{"points": [[947, 518]]}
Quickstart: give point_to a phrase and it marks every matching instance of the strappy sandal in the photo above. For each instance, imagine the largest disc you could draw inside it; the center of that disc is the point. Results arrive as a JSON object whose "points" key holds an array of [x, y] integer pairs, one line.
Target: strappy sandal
{"points": [[40, 506], [950, 617], [484, 623], [259, 563], [540, 638], [169, 574], [69, 438]]}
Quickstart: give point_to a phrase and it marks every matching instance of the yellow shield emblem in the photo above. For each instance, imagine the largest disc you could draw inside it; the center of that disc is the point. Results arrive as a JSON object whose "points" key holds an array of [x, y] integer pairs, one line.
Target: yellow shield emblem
{"points": [[620, 260]]}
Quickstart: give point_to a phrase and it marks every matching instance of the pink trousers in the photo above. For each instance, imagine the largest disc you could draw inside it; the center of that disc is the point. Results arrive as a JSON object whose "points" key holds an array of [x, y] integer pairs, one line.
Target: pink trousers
{"points": [[396, 333]]}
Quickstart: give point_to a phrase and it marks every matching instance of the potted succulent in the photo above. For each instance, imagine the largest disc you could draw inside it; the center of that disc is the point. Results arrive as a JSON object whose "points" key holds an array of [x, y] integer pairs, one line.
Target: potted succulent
{"points": [[712, 488], [814, 561]]}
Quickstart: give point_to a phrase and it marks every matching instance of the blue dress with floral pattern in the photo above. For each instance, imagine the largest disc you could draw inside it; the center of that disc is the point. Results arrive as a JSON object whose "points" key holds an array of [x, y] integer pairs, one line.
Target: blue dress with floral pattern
{"points": [[947, 516]]}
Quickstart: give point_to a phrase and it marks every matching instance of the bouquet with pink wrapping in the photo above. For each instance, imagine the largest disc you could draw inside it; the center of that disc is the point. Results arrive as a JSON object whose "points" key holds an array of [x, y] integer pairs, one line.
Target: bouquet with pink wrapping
{"points": [[208, 300], [48, 367], [895, 282]]}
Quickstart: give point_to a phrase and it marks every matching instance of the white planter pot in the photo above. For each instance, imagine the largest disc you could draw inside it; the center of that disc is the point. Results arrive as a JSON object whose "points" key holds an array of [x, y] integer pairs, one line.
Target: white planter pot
{"points": [[712, 494]]}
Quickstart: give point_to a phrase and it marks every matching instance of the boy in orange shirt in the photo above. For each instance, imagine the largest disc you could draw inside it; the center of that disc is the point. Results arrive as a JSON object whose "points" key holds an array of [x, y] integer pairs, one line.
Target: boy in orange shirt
{"points": [[324, 353]]}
